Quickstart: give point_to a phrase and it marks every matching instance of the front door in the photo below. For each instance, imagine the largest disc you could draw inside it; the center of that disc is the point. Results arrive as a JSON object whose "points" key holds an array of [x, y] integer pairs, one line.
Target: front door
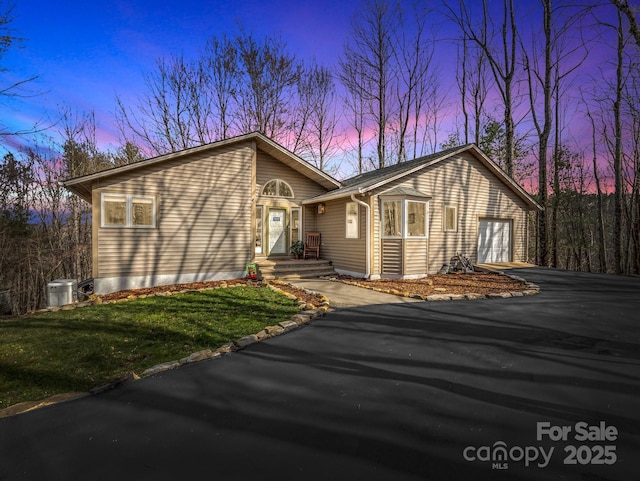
{"points": [[277, 231]]}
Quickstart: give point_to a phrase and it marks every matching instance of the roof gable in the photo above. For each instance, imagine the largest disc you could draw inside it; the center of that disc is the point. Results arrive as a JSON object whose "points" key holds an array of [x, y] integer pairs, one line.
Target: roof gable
{"points": [[374, 179], [82, 185], [392, 172]]}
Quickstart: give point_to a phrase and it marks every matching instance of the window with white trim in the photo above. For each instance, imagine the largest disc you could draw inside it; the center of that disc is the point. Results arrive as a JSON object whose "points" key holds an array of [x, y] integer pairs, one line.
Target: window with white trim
{"points": [[416, 219], [295, 224], [128, 210], [277, 188], [450, 218], [405, 219], [352, 221], [259, 230], [392, 218]]}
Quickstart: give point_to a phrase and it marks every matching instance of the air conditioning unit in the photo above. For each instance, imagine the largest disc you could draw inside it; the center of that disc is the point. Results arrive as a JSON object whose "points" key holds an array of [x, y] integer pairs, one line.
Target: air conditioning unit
{"points": [[61, 292]]}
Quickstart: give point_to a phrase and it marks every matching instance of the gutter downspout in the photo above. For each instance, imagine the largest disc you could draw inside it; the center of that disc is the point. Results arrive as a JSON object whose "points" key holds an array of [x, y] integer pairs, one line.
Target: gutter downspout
{"points": [[368, 235]]}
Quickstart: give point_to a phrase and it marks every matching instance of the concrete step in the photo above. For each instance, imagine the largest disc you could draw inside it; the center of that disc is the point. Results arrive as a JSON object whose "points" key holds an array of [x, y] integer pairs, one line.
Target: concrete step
{"points": [[308, 275], [300, 268], [294, 268], [292, 276], [291, 262]]}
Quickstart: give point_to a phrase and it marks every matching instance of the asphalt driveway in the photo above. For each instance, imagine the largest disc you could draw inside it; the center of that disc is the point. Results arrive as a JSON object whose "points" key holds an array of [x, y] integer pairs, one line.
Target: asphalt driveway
{"points": [[407, 391]]}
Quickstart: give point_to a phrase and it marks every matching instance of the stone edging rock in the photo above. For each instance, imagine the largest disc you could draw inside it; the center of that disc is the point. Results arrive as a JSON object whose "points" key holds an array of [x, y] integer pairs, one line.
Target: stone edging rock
{"points": [[97, 300], [529, 290], [307, 314]]}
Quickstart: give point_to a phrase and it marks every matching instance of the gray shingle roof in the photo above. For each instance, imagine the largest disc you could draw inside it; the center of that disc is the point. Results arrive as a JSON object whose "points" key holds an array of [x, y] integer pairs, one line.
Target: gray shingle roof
{"points": [[367, 179]]}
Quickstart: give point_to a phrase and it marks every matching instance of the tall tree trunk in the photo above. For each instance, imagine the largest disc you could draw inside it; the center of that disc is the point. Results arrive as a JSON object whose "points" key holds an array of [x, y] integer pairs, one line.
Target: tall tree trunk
{"points": [[557, 165], [617, 156], [602, 249], [463, 89]]}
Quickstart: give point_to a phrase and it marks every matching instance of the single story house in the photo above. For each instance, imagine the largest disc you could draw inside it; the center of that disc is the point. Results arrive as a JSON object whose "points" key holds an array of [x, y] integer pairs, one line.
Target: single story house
{"points": [[205, 212]]}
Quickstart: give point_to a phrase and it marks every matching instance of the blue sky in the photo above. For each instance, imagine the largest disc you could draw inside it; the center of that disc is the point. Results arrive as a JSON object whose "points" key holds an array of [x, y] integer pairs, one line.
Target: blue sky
{"points": [[87, 52]]}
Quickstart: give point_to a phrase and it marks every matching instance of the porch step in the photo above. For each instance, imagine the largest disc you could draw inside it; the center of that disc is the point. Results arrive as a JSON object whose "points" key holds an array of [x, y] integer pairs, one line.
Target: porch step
{"points": [[294, 268]]}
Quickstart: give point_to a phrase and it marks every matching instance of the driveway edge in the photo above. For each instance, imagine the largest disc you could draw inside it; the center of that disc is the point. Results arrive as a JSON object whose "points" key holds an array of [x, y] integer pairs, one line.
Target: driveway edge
{"points": [[306, 315]]}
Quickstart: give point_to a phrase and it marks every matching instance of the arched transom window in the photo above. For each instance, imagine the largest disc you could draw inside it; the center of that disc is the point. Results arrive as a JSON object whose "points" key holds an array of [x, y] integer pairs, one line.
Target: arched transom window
{"points": [[277, 188]]}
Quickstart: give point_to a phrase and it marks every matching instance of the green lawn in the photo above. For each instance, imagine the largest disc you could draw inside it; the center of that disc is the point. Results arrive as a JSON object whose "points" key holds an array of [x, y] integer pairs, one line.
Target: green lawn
{"points": [[69, 351]]}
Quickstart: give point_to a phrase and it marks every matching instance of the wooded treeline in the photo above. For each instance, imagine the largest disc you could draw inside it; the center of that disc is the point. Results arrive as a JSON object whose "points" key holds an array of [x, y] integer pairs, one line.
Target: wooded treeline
{"points": [[525, 87], [45, 233]]}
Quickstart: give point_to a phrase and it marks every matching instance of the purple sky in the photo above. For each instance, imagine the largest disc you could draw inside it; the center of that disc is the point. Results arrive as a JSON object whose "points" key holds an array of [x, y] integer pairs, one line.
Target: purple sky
{"points": [[87, 52]]}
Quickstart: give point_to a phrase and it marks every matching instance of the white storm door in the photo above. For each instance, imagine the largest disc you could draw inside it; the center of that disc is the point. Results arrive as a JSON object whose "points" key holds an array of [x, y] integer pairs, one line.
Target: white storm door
{"points": [[494, 241], [277, 231]]}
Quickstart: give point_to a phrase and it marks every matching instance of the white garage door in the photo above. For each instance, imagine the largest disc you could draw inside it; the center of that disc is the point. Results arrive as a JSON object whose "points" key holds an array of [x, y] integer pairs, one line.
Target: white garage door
{"points": [[494, 241]]}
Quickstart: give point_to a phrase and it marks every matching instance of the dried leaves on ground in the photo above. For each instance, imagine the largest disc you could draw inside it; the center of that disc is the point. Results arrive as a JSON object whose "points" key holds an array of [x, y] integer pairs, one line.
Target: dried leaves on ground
{"points": [[477, 282], [173, 288], [301, 294]]}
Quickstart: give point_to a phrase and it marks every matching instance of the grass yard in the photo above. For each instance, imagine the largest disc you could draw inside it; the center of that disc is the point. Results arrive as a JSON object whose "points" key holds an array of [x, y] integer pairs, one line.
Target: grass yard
{"points": [[73, 351]]}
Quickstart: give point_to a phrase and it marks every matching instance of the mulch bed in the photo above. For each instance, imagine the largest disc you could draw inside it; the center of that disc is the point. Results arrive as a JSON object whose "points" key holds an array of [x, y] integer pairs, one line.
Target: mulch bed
{"points": [[175, 288], [457, 283], [478, 282]]}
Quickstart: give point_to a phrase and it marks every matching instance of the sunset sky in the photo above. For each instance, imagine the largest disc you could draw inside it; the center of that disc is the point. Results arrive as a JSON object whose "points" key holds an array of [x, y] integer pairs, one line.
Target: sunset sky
{"points": [[87, 52]]}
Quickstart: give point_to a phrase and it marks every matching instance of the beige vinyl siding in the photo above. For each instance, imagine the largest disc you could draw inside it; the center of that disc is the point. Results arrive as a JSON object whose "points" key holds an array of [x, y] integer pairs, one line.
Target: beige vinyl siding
{"points": [[269, 168], [346, 254], [415, 256], [204, 217], [309, 219], [405, 257], [392, 257], [466, 183]]}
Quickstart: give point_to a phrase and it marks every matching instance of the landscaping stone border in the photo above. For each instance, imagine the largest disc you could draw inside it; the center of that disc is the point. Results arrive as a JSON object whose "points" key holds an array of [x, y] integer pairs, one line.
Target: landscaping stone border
{"points": [[308, 312], [530, 289]]}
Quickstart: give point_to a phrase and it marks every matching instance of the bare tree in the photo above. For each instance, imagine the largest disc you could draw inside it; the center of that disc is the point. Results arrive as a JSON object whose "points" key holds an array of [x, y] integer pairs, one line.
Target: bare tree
{"points": [[315, 125], [546, 81], [631, 163], [368, 56], [271, 74], [162, 118], [602, 250], [16, 231], [474, 85], [355, 102], [416, 77], [500, 48], [461, 79], [221, 65], [9, 39], [624, 8], [243, 85], [617, 156], [80, 156]]}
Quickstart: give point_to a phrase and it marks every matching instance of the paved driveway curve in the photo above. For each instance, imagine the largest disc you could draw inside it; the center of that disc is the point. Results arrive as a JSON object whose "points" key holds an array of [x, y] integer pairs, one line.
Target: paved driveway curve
{"points": [[387, 392]]}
